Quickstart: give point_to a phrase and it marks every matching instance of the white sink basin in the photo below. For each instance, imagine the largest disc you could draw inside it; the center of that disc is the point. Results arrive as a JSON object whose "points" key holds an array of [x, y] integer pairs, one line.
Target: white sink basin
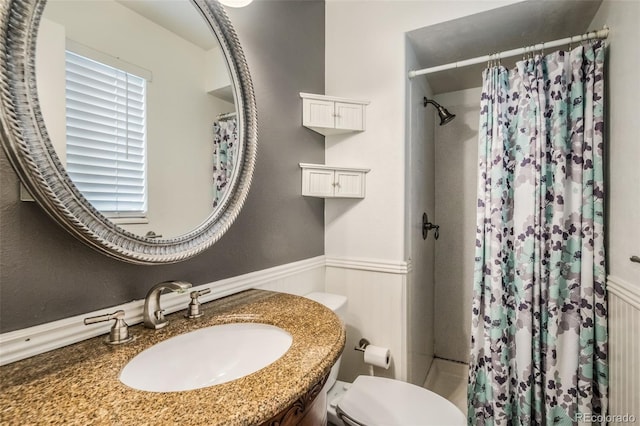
{"points": [[206, 357]]}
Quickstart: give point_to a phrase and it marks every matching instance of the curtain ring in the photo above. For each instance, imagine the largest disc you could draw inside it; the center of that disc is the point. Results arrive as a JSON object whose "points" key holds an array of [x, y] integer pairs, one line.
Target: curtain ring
{"points": [[542, 49], [492, 61]]}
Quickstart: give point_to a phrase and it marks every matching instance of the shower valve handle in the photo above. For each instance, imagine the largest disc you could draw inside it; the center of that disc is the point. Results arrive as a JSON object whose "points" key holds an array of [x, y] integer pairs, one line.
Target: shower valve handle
{"points": [[428, 226]]}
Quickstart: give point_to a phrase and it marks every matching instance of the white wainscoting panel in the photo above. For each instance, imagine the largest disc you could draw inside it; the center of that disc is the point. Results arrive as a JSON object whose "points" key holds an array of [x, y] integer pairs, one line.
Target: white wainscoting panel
{"points": [[376, 311], [624, 351], [297, 278]]}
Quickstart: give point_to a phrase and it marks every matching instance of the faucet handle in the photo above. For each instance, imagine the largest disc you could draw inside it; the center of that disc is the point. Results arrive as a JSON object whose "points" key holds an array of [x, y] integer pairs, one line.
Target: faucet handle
{"points": [[119, 333], [196, 294], [193, 310]]}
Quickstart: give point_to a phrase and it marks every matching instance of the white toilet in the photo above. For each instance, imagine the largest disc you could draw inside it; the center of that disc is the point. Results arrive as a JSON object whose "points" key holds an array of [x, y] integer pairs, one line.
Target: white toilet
{"points": [[378, 401]]}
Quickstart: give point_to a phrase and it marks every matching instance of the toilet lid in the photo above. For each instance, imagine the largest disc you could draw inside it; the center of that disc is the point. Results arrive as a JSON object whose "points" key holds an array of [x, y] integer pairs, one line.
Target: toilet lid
{"points": [[377, 401]]}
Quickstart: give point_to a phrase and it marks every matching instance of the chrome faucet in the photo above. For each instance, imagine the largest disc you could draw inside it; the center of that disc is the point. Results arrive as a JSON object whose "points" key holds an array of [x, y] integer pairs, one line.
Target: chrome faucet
{"points": [[153, 315]]}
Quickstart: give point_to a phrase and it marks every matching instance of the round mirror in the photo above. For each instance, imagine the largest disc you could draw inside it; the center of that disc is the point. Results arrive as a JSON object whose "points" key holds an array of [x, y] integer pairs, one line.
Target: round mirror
{"points": [[132, 123]]}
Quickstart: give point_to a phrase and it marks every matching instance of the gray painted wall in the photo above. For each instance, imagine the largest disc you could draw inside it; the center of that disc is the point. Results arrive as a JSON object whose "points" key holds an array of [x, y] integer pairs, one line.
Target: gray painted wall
{"points": [[46, 274]]}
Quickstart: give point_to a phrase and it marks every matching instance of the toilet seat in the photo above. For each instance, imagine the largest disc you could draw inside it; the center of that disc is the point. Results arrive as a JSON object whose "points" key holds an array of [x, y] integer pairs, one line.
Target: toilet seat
{"points": [[378, 401]]}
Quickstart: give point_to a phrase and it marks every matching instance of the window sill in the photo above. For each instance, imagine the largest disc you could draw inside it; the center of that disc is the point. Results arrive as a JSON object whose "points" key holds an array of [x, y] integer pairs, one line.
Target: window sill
{"points": [[128, 220]]}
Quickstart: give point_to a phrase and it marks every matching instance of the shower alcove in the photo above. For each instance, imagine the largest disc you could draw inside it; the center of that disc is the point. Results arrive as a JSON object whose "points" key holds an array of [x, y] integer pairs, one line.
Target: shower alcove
{"points": [[441, 164]]}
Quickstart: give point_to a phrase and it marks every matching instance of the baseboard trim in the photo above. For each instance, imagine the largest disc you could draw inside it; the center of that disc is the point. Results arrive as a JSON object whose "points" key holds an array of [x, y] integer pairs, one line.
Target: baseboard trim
{"points": [[624, 290], [27, 342]]}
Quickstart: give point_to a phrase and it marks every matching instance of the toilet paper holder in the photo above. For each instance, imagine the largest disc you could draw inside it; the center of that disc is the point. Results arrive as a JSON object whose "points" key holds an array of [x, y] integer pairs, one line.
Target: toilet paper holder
{"points": [[374, 355], [362, 345]]}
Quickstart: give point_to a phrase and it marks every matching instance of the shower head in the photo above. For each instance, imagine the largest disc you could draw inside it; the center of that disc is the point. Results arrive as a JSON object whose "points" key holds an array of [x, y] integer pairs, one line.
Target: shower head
{"points": [[445, 116]]}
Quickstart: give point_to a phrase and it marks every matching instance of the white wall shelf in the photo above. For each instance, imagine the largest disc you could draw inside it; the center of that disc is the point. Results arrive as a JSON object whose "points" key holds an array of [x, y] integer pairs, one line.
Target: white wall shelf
{"points": [[323, 181], [329, 115]]}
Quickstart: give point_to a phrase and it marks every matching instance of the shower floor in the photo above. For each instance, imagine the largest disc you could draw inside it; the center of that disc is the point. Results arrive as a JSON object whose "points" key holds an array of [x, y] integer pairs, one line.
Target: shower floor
{"points": [[449, 380]]}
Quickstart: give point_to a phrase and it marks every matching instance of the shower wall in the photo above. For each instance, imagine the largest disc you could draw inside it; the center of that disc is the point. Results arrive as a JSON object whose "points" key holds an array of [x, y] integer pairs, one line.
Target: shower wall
{"points": [[420, 187], [455, 211]]}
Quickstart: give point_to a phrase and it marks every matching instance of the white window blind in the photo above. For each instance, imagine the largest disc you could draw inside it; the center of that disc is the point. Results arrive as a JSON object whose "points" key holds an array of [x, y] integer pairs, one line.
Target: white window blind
{"points": [[106, 136]]}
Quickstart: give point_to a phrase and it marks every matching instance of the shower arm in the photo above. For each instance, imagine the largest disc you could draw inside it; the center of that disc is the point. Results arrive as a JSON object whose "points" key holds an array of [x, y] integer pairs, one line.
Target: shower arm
{"points": [[427, 101]]}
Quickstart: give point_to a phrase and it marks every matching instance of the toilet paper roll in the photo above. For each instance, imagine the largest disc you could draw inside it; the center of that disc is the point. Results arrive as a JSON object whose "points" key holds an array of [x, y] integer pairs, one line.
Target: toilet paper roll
{"points": [[378, 356]]}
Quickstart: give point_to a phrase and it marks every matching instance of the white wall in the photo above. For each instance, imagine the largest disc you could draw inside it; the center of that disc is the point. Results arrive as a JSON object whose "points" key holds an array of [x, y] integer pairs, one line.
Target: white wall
{"points": [[623, 214], [456, 188], [51, 91], [180, 113], [365, 59], [623, 130]]}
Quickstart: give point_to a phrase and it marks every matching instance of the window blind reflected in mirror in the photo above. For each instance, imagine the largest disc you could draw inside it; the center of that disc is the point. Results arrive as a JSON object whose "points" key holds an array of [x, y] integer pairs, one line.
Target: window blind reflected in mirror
{"points": [[106, 135]]}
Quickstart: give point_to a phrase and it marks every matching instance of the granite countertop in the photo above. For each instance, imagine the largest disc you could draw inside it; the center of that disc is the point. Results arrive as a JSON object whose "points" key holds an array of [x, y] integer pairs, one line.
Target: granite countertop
{"points": [[79, 384]]}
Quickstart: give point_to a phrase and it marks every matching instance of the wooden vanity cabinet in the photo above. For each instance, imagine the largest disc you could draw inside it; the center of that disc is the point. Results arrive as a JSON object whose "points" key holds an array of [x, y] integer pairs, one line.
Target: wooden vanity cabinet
{"points": [[308, 410]]}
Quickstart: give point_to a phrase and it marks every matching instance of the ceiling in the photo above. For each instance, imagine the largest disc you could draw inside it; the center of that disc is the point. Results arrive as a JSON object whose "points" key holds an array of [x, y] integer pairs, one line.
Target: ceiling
{"points": [[521, 24], [178, 16]]}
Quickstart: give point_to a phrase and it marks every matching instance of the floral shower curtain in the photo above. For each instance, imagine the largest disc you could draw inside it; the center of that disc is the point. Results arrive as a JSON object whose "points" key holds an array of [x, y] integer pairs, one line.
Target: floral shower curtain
{"points": [[539, 328], [225, 148]]}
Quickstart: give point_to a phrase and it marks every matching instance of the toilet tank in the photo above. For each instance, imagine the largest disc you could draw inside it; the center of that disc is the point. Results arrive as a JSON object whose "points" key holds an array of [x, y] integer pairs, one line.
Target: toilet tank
{"points": [[338, 304]]}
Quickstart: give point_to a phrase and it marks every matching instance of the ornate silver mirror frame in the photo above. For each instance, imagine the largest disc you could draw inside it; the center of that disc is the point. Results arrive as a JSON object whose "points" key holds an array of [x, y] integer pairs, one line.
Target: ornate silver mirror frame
{"points": [[27, 144]]}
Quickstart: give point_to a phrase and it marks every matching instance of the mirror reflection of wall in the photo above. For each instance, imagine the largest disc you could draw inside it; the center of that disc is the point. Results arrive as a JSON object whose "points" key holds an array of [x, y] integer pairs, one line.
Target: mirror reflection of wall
{"points": [[187, 88]]}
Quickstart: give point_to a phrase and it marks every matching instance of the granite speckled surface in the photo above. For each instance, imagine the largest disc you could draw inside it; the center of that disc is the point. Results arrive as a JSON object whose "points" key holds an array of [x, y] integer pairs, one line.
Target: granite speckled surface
{"points": [[79, 384]]}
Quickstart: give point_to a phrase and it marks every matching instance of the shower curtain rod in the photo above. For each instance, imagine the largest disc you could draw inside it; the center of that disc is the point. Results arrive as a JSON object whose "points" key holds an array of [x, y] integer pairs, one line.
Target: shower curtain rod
{"points": [[603, 33]]}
